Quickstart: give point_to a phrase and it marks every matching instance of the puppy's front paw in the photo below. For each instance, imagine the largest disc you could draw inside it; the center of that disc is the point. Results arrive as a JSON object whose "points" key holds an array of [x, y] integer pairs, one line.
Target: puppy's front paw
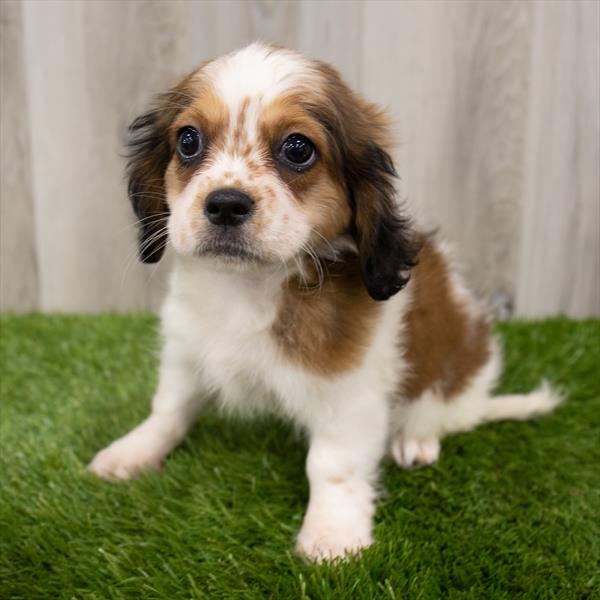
{"points": [[324, 538], [126, 457]]}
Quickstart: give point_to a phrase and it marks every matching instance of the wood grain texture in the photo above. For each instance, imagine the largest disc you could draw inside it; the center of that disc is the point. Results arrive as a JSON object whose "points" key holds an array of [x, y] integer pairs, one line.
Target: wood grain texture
{"points": [[459, 96], [329, 31], [496, 105], [559, 259], [18, 261], [91, 67]]}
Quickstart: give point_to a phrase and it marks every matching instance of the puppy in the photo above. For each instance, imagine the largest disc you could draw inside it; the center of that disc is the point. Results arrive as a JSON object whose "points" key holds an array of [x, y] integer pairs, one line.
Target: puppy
{"points": [[273, 184]]}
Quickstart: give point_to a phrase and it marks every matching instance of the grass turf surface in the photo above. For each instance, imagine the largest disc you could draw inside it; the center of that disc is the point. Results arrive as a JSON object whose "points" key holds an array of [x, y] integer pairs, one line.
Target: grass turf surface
{"points": [[512, 510]]}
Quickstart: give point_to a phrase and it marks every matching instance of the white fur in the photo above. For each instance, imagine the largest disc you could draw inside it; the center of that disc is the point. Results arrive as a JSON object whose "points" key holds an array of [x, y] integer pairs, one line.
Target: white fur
{"points": [[261, 72]]}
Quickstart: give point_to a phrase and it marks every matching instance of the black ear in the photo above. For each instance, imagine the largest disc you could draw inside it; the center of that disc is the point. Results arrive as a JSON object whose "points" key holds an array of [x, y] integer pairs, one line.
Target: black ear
{"points": [[147, 165], [386, 244], [149, 158]]}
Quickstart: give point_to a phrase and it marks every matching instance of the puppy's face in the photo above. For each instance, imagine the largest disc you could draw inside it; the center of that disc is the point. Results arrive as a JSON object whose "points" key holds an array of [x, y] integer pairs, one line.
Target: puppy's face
{"points": [[261, 157], [250, 176]]}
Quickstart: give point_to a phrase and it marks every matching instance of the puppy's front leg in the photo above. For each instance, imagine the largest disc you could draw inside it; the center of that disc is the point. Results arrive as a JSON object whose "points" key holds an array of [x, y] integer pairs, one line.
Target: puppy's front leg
{"points": [[175, 405], [346, 446]]}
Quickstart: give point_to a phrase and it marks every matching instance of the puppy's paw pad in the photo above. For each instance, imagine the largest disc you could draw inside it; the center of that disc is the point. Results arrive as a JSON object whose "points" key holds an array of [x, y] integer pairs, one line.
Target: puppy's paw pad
{"points": [[413, 452]]}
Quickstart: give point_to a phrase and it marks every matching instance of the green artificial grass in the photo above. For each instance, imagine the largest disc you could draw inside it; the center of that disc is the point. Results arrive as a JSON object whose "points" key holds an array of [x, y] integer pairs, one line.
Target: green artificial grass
{"points": [[512, 510]]}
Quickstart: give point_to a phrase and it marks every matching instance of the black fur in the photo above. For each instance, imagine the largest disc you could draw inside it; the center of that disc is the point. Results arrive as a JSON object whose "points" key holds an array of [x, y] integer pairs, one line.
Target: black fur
{"points": [[146, 192], [149, 156], [384, 237]]}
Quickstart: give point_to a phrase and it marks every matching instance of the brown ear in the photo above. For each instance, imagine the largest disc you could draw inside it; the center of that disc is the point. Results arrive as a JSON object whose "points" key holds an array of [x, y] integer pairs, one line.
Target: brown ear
{"points": [[149, 157], [358, 134]]}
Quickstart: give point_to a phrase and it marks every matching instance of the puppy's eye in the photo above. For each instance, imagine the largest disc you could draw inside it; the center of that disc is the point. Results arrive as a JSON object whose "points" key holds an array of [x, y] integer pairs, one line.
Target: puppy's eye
{"points": [[298, 152], [189, 143]]}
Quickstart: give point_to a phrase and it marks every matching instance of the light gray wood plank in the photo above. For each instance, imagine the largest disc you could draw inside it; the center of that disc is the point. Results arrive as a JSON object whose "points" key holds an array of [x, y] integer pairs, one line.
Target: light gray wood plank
{"points": [[91, 66], [559, 262], [329, 30], [496, 107], [454, 76], [216, 27], [18, 261]]}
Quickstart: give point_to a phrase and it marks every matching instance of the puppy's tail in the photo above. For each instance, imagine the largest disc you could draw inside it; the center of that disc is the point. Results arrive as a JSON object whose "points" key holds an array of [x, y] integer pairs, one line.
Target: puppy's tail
{"points": [[523, 406]]}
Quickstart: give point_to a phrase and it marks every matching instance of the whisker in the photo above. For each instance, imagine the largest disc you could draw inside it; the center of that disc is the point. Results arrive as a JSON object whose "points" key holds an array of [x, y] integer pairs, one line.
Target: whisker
{"points": [[130, 261]]}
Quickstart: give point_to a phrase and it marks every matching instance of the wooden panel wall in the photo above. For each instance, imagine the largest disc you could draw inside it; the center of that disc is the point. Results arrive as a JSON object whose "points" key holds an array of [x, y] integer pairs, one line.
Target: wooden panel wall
{"points": [[19, 274], [559, 240], [496, 105]]}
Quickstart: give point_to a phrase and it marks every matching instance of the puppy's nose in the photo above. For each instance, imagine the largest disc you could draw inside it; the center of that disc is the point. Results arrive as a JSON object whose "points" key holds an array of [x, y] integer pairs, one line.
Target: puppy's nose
{"points": [[228, 207]]}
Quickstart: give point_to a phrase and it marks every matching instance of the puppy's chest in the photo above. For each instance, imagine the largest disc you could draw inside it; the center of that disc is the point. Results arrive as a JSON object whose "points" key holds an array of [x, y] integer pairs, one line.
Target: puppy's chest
{"points": [[241, 364], [263, 335], [227, 331]]}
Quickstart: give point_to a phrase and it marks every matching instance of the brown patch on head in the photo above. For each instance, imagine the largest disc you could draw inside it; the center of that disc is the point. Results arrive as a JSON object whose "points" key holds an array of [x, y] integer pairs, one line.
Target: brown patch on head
{"points": [[278, 121], [444, 344], [206, 111], [327, 330]]}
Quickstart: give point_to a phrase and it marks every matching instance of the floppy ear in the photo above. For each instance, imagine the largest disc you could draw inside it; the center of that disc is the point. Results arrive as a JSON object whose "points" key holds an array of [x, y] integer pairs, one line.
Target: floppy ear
{"points": [[149, 157], [358, 133], [385, 241]]}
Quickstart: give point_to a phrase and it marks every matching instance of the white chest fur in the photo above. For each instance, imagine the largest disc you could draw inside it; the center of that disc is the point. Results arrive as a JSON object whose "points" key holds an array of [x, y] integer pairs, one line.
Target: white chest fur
{"points": [[222, 320]]}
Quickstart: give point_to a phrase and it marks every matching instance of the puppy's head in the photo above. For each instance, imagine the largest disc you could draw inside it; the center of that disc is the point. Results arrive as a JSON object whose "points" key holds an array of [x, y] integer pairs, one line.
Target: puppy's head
{"points": [[262, 156]]}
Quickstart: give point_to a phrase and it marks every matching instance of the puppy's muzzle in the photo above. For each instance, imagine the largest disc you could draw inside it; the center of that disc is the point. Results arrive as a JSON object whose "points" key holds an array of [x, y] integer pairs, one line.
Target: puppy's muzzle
{"points": [[228, 207]]}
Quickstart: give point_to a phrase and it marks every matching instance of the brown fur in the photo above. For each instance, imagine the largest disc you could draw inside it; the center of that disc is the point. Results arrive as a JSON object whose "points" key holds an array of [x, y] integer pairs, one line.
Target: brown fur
{"points": [[358, 136], [238, 138], [444, 343], [327, 329], [206, 112], [279, 120], [210, 116]]}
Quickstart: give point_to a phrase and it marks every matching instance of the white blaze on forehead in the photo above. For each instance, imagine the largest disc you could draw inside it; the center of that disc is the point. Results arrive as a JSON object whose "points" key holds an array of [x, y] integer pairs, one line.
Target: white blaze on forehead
{"points": [[259, 71]]}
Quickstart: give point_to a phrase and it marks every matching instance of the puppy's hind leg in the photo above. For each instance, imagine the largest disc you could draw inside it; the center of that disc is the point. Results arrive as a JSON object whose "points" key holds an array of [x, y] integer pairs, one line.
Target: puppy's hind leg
{"points": [[420, 424], [415, 452]]}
